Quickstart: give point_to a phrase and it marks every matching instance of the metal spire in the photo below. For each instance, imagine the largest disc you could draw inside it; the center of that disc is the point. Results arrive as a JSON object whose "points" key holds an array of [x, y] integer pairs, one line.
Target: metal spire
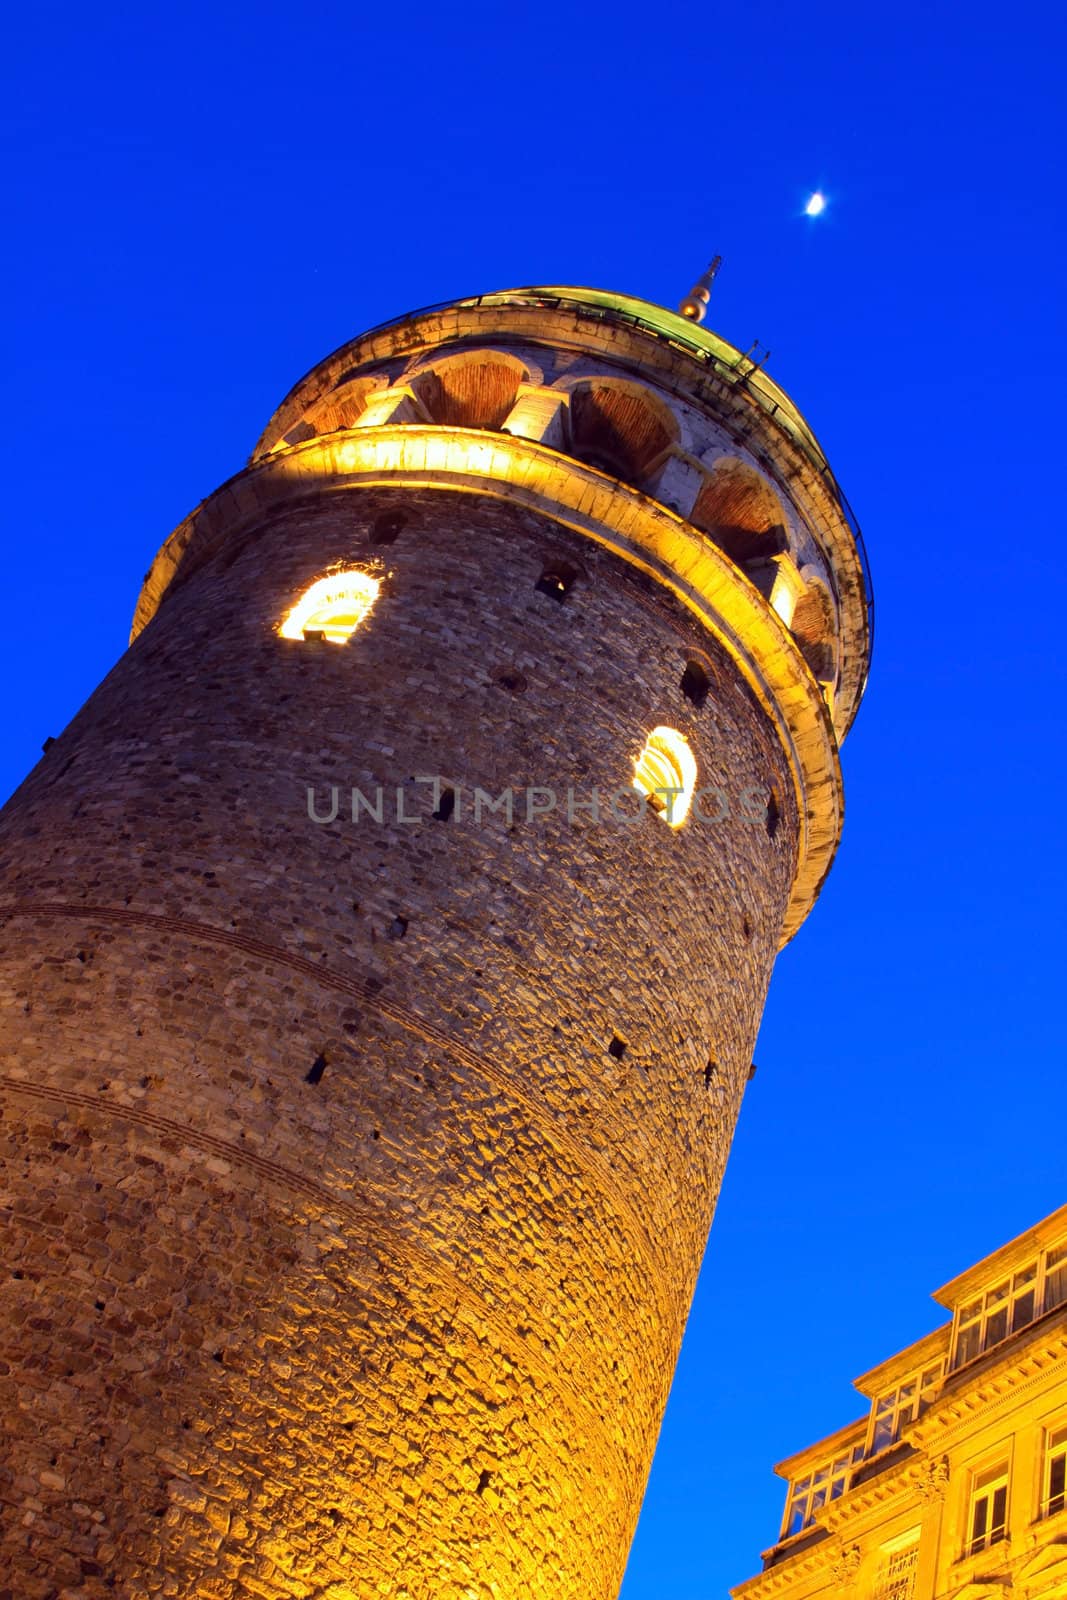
{"points": [[695, 303]]}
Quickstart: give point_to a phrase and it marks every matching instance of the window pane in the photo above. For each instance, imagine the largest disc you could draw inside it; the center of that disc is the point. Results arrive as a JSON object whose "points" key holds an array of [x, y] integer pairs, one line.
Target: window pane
{"points": [[981, 1518], [1023, 1311], [996, 1327], [970, 1313], [1057, 1482], [928, 1385], [883, 1434], [967, 1344], [1000, 1511], [1055, 1285]]}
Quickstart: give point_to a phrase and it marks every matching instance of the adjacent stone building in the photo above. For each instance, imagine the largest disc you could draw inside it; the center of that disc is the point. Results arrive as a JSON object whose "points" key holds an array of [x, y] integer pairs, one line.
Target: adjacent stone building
{"points": [[382, 948], [953, 1484]]}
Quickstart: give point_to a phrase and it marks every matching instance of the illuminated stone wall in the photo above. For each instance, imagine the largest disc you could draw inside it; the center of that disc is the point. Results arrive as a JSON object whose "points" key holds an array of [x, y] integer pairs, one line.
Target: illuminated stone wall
{"points": [[356, 1175]]}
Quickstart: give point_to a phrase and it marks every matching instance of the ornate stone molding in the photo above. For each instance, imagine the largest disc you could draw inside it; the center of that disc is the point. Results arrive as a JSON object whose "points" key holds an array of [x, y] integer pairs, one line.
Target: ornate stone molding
{"points": [[846, 1565], [933, 1480]]}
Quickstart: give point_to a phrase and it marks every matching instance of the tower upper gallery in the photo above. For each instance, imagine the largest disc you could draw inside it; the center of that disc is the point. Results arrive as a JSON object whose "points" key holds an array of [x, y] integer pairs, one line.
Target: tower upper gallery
{"points": [[628, 424], [624, 386]]}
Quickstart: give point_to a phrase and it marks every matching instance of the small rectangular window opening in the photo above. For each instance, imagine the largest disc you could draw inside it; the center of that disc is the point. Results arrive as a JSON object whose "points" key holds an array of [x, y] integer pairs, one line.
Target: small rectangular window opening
{"points": [[384, 529], [557, 580], [695, 684], [315, 1072]]}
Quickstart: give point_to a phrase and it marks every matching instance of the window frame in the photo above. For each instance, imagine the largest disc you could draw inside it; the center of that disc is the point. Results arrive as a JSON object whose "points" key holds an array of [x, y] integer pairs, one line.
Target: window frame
{"points": [[902, 1409], [835, 1471], [666, 774], [350, 594], [1059, 1267], [890, 1585], [1053, 1453], [985, 1484], [1042, 1281]]}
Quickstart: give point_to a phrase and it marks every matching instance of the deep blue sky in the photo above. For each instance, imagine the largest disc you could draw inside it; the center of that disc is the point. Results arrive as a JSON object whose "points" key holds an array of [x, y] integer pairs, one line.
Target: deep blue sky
{"points": [[202, 205]]}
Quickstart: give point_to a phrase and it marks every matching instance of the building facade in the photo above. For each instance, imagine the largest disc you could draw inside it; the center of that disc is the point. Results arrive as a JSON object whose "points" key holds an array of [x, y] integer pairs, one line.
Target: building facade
{"points": [[953, 1485], [382, 949]]}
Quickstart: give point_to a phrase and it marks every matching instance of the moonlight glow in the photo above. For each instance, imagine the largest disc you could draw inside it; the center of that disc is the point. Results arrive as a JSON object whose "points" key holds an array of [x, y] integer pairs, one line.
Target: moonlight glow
{"points": [[816, 205]]}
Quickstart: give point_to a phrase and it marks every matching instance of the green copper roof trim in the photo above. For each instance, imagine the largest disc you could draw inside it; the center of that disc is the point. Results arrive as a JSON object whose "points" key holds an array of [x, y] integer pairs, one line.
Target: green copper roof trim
{"points": [[669, 325]]}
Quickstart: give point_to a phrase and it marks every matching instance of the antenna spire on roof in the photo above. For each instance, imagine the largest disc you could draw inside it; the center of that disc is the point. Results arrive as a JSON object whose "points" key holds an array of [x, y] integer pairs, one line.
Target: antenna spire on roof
{"points": [[695, 303]]}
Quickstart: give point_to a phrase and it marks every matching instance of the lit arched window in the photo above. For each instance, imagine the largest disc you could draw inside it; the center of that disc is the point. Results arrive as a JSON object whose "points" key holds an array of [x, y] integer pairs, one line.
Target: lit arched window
{"points": [[332, 608], [666, 773]]}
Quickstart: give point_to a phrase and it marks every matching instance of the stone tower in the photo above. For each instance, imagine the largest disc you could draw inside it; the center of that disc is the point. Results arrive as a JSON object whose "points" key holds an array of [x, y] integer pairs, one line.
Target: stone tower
{"points": [[359, 1152]]}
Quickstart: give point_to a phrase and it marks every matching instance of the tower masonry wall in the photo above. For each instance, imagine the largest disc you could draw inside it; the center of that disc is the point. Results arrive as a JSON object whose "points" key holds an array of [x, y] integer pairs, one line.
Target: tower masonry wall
{"points": [[356, 1175]]}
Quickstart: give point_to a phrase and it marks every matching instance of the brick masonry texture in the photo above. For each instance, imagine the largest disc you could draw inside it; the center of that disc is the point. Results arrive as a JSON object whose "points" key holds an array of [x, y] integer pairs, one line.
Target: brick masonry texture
{"points": [[407, 1330]]}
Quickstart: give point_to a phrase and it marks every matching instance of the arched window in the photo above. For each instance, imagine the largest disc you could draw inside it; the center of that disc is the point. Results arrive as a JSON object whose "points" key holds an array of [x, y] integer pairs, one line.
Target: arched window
{"points": [[474, 390], [332, 608], [341, 408], [813, 626], [666, 774], [741, 512], [620, 428]]}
